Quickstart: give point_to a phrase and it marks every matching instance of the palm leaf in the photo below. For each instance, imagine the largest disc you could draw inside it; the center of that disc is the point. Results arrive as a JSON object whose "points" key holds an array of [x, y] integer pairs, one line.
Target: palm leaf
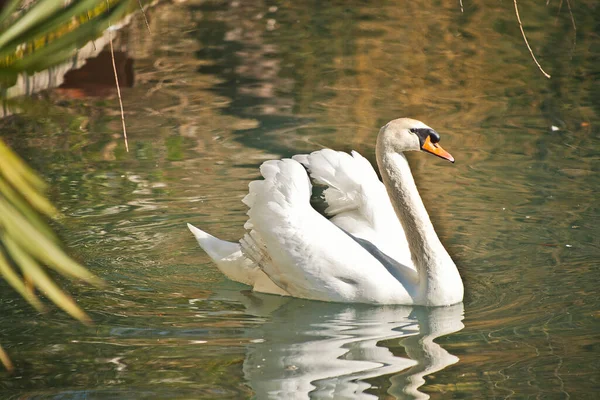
{"points": [[27, 244], [45, 34], [33, 270], [52, 32], [9, 8], [40, 11]]}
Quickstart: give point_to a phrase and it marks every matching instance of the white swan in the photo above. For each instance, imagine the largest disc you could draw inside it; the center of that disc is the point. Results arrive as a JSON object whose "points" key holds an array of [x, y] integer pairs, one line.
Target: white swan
{"points": [[378, 245]]}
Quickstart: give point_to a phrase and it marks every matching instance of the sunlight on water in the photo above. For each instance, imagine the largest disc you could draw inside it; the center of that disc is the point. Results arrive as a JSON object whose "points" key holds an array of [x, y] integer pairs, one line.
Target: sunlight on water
{"points": [[219, 87]]}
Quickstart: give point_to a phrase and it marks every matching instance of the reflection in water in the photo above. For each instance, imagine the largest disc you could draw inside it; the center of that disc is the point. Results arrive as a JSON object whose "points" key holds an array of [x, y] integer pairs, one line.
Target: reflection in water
{"points": [[327, 350], [96, 76]]}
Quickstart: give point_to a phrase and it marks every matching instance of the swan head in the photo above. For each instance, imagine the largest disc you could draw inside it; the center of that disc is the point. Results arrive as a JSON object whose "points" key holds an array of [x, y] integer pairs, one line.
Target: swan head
{"points": [[405, 134]]}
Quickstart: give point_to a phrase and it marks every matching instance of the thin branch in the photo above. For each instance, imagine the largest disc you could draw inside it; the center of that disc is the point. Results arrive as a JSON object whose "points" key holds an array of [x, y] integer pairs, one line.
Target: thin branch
{"points": [[462, 9], [527, 43], [112, 56], [146, 19]]}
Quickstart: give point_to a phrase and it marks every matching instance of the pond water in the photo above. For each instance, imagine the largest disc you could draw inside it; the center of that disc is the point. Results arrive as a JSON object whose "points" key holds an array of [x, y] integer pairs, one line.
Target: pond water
{"points": [[217, 87]]}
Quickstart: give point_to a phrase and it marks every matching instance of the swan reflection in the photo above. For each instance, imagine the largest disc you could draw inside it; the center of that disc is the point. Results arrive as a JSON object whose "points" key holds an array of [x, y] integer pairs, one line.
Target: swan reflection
{"points": [[325, 350]]}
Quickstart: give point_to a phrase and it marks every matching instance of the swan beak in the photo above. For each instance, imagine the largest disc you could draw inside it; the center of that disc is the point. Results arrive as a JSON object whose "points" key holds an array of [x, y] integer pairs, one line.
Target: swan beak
{"points": [[436, 149]]}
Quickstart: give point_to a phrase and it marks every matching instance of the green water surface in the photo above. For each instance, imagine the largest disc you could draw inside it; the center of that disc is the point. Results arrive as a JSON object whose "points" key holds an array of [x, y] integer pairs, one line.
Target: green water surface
{"points": [[217, 88]]}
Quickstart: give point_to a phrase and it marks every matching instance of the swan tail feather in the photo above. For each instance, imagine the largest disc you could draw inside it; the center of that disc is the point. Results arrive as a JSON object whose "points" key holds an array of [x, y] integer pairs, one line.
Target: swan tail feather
{"points": [[228, 257], [216, 249], [284, 190]]}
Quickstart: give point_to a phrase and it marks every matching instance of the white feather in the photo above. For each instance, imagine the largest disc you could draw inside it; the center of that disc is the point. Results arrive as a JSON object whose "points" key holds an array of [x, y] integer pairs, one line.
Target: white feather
{"points": [[358, 201], [232, 263], [298, 241]]}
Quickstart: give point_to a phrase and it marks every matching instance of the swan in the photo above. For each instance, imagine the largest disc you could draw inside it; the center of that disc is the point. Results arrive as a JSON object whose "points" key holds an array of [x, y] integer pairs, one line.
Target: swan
{"points": [[374, 244]]}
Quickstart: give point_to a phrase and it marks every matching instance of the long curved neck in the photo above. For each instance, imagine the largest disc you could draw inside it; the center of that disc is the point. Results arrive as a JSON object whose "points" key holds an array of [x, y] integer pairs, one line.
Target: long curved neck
{"points": [[435, 267]]}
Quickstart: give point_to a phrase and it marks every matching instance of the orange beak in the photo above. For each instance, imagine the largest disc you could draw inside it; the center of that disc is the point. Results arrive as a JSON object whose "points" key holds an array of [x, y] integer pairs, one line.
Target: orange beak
{"points": [[436, 149]]}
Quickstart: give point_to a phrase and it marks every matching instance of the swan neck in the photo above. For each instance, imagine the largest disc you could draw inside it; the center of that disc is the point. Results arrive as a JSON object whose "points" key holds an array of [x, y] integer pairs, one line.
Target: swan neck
{"points": [[434, 265]]}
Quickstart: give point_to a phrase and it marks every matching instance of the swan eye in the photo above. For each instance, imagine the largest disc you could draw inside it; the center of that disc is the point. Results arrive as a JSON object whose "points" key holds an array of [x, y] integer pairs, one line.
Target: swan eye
{"points": [[424, 133]]}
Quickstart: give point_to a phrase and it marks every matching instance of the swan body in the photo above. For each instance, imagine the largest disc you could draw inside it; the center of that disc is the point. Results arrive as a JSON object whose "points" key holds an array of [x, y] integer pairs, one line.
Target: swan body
{"points": [[375, 243]]}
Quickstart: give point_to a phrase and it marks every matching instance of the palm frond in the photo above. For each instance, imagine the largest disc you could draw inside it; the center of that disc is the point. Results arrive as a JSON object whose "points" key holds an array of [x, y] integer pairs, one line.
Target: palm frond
{"points": [[28, 246], [33, 38], [49, 32]]}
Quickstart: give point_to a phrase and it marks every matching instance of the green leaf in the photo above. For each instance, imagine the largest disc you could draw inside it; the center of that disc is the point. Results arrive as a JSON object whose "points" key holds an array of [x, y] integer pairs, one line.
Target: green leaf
{"points": [[40, 279], [5, 360], [17, 283], [8, 10], [24, 208], [53, 23], [31, 194], [41, 247], [65, 46], [28, 20], [8, 159]]}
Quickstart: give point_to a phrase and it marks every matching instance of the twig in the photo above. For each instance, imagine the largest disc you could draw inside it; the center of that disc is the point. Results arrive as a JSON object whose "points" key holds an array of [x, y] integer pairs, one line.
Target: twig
{"points": [[572, 18], [462, 9], [144, 14], [112, 56], [527, 43]]}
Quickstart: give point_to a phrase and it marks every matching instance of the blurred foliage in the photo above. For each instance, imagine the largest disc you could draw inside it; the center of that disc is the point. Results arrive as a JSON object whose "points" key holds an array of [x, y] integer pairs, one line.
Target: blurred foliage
{"points": [[37, 35], [27, 242]]}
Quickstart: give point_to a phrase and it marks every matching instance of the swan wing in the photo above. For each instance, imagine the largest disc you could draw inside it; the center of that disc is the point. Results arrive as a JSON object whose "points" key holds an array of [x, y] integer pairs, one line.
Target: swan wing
{"points": [[357, 201], [304, 253]]}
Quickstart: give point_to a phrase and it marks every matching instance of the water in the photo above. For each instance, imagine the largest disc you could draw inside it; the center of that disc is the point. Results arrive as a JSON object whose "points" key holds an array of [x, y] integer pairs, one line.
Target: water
{"points": [[216, 88]]}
